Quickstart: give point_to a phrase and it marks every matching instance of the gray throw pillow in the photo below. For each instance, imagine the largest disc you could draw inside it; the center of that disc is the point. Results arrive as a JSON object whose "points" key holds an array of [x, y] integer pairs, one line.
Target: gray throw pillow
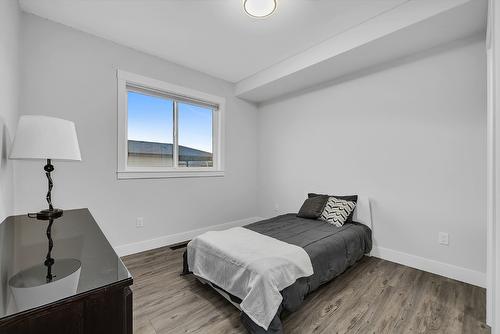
{"points": [[313, 207]]}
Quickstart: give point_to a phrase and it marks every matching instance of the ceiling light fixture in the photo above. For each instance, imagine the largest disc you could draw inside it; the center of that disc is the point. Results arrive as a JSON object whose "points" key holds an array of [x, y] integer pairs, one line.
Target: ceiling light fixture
{"points": [[259, 8]]}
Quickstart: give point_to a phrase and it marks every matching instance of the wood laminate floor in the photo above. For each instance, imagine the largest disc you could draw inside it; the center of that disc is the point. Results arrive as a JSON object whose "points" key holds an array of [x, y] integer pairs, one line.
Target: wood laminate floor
{"points": [[374, 296]]}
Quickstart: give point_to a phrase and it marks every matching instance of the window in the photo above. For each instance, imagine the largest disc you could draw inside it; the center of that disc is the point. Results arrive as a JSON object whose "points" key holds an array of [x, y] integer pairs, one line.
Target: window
{"points": [[150, 130], [195, 135], [166, 130]]}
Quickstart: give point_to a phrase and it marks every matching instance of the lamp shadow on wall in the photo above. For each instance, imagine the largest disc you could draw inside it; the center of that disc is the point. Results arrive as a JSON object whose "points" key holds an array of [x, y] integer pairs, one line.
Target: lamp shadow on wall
{"points": [[6, 248], [5, 142]]}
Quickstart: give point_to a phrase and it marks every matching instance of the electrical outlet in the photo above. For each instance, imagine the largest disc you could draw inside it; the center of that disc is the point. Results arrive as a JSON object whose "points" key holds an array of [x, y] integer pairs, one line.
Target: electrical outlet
{"points": [[139, 222], [443, 238]]}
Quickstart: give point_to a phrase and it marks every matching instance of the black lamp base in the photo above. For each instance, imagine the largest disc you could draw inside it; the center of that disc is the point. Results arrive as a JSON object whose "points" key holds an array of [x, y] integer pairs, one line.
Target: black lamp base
{"points": [[50, 213], [47, 214]]}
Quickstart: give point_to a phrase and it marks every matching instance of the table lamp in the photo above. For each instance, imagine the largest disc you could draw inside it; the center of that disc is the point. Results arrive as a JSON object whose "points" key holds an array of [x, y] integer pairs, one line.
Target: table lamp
{"points": [[47, 138]]}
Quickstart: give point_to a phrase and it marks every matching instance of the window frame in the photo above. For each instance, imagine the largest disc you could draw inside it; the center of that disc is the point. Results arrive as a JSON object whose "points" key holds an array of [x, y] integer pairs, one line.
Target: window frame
{"points": [[157, 88]]}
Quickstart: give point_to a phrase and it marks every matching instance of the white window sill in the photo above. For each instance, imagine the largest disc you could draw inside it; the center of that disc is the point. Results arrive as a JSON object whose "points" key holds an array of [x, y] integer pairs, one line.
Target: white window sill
{"points": [[168, 174]]}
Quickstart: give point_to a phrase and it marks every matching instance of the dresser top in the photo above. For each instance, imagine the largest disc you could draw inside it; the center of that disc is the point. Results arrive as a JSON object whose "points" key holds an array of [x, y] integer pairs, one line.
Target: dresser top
{"points": [[83, 258]]}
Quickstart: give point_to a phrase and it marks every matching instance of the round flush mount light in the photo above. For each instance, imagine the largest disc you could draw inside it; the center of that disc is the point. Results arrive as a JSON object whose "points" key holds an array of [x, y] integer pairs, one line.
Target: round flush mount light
{"points": [[259, 8]]}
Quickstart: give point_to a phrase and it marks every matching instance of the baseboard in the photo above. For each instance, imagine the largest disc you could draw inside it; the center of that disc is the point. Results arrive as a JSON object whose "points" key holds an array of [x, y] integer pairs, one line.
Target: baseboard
{"points": [[166, 240], [440, 268]]}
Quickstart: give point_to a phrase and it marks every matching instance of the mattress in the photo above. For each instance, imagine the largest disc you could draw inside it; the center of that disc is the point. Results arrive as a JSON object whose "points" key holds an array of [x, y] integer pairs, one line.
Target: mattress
{"points": [[331, 249]]}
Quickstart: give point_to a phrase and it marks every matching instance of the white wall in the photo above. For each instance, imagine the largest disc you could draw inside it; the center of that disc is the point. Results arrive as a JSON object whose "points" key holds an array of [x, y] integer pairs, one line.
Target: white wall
{"points": [[9, 73], [411, 136], [72, 75]]}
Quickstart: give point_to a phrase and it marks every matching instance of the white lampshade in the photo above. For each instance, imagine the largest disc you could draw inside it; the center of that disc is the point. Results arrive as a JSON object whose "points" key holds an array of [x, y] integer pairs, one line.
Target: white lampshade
{"points": [[43, 137]]}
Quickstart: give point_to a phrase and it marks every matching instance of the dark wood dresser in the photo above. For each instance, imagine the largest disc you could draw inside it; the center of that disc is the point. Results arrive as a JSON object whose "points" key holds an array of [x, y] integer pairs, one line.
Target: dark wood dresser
{"points": [[90, 289]]}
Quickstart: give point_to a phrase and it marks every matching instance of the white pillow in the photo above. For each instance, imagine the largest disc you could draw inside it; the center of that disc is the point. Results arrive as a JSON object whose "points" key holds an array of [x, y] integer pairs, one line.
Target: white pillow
{"points": [[336, 211]]}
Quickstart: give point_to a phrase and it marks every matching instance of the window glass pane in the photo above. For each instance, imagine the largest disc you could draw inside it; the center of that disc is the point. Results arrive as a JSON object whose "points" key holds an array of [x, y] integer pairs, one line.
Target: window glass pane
{"points": [[150, 131], [195, 136]]}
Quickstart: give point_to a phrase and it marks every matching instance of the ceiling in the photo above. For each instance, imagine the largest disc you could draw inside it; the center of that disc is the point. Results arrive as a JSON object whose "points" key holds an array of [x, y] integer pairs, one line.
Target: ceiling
{"points": [[406, 31], [213, 36]]}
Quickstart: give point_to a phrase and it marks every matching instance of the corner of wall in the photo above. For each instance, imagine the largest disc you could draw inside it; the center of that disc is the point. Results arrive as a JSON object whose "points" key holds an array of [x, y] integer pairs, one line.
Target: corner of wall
{"points": [[10, 15]]}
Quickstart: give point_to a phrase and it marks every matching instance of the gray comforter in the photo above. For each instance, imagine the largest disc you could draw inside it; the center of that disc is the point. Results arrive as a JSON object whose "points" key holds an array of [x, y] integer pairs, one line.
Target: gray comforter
{"points": [[331, 249]]}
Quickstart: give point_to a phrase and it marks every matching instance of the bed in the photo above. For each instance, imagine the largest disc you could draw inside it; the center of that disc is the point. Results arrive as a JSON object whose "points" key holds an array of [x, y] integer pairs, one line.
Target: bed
{"points": [[331, 250]]}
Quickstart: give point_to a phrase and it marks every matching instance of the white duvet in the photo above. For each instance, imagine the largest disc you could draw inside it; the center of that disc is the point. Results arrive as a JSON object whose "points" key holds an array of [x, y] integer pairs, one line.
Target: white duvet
{"points": [[250, 266]]}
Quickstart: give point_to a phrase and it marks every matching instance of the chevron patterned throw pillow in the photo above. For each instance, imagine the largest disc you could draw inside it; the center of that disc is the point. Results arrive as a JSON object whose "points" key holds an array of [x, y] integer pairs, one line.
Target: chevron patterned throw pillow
{"points": [[336, 211]]}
